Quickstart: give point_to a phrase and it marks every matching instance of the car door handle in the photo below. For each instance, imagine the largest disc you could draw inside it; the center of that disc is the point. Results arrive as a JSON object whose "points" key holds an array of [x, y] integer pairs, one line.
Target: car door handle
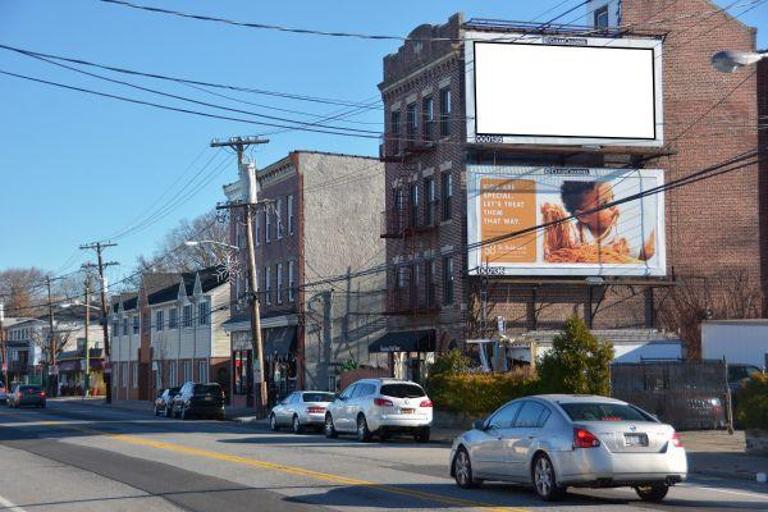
{"points": [[532, 437]]}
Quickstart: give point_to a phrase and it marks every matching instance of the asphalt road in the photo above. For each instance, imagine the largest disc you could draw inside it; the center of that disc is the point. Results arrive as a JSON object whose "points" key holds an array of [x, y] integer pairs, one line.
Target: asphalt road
{"points": [[73, 456]]}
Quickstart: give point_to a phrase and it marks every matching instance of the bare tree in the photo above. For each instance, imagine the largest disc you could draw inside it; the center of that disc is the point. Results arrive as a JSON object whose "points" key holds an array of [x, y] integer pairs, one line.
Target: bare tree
{"points": [[22, 290]]}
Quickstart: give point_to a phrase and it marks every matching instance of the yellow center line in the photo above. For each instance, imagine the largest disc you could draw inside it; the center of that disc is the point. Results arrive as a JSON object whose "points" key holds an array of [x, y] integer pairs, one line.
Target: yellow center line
{"points": [[291, 470]]}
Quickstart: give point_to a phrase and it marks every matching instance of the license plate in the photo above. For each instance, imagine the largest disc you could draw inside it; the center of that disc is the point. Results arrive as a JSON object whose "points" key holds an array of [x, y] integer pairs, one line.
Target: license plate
{"points": [[635, 440], [208, 398], [407, 411]]}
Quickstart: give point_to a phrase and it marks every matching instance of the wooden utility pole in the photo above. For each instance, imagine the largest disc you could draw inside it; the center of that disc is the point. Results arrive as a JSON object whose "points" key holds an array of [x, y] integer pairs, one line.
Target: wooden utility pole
{"points": [[4, 348], [87, 380], [239, 144], [53, 370], [99, 247]]}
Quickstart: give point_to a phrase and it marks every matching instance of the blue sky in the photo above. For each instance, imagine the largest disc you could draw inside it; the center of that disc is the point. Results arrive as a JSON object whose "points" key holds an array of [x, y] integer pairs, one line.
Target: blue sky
{"points": [[76, 168]]}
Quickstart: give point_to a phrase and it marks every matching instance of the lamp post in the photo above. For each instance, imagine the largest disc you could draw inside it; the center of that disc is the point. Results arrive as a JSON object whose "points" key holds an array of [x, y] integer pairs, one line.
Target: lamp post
{"points": [[728, 61]]}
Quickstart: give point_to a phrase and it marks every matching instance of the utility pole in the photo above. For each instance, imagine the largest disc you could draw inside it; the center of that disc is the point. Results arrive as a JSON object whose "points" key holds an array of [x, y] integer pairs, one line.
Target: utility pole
{"points": [[4, 347], [87, 386], [99, 247], [239, 144], [53, 370]]}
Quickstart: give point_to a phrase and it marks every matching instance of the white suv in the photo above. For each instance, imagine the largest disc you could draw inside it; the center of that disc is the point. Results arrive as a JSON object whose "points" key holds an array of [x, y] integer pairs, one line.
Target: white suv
{"points": [[380, 407]]}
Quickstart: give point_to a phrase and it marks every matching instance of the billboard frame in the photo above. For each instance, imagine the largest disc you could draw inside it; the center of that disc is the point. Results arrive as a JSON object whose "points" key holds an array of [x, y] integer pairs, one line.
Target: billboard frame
{"points": [[472, 38], [476, 266]]}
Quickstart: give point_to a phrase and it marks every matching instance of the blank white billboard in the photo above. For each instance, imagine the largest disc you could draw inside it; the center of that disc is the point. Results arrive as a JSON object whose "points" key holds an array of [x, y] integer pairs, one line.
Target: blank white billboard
{"points": [[601, 91]]}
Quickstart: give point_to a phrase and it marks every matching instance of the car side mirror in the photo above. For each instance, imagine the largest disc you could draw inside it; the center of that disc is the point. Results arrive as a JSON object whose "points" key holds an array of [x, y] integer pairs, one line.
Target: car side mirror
{"points": [[479, 425], [341, 398]]}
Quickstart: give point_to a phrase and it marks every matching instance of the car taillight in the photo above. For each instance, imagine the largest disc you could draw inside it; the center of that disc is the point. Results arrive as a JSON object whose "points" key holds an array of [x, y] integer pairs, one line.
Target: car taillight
{"points": [[42, 394], [426, 403], [583, 438], [676, 441], [315, 410], [382, 402]]}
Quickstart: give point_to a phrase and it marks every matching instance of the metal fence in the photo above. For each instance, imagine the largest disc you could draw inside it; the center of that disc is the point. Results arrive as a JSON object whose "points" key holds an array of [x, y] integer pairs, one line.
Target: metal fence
{"points": [[686, 394]]}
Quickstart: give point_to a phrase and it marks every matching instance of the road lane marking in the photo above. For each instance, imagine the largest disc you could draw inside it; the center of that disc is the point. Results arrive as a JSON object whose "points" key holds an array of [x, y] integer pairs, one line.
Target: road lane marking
{"points": [[704, 487], [9, 506], [289, 470]]}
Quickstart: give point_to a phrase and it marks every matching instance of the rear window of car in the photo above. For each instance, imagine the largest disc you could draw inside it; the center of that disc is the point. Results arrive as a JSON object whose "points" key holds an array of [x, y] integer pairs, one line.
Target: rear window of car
{"points": [[604, 412], [318, 397], [402, 390], [204, 389], [29, 389]]}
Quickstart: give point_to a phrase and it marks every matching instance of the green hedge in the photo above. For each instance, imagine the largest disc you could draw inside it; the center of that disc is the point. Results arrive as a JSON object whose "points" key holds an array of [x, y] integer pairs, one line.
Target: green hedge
{"points": [[477, 394], [752, 402]]}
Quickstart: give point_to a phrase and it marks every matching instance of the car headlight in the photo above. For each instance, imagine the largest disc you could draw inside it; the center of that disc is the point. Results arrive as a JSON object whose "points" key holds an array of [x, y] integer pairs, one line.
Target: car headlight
{"points": [[714, 401]]}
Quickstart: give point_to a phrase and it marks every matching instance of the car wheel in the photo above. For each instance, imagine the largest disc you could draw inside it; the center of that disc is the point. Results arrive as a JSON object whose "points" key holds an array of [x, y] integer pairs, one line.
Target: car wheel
{"points": [[363, 434], [462, 470], [544, 480], [329, 429], [652, 492], [273, 426], [422, 436], [296, 425]]}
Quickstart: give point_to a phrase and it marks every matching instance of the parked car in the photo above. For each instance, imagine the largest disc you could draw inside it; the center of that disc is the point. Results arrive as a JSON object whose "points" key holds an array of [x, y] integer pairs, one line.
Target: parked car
{"points": [[164, 400], [557, 441], [196, 399], [299, 410], [380, 407], [24, 395], [739, 374]]}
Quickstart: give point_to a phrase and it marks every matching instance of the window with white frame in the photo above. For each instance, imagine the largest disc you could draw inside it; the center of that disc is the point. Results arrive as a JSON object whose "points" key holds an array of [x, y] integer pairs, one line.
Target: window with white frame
{"points": [[267, 225], [202, 371], [187, 313], [173, 378], [173, 318], [204, 311], [115, 328], [291, 216], [124, 374], [256, 221], [291, 281], [125, 327], [279, 272], [135, 374], [159, 320], [267, 285], [279, 218], [135, 324]]}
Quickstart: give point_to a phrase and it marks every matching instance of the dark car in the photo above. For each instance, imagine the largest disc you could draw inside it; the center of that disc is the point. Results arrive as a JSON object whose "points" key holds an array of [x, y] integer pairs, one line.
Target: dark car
{"points": [[199, 400], [739, 374], [25, 395], [164, 401]]}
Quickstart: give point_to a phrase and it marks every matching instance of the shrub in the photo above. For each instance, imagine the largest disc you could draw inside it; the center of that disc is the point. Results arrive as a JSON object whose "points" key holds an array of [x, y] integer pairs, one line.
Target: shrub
{"points": [[477, 394], [577, 363], [453, 361], [752, 400]]}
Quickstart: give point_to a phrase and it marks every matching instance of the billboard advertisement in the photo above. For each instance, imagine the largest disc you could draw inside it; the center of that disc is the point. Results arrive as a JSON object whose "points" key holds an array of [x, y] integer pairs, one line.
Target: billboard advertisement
{"points": [[557, 221], [563, 91]]}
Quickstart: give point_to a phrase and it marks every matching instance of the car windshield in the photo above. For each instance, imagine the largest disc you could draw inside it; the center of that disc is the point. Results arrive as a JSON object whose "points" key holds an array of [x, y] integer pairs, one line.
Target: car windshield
{"points": [[318, 397], [206, 389], [173, 391], [580, 411], [402, 390], [737, 373], [29, 389]]}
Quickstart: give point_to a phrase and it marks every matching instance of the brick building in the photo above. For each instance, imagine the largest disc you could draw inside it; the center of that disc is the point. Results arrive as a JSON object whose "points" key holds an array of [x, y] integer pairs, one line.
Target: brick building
{"points": [[713, 240], [318, 218]]}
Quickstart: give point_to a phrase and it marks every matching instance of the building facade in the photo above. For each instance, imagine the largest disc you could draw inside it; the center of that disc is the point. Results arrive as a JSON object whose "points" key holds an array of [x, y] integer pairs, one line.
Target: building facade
{"points": [[318, 219], [170, 332], [712, 240]]}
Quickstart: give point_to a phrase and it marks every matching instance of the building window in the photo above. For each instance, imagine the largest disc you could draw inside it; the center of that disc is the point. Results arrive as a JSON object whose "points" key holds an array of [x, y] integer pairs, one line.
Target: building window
{"points": [[279, 219], [413, 193], [428, 111], [173, 378], [187, 312], [601, 17], [125, 327], [411, 122], [448, 279], [267, 286], [159, 320], [431, 196], [202, 371], [135, 324], [429, 281], [188, 371], [256, 221], [267, 225], [291, 216], [394, 123], [291, 281], [447, 194], [124, 374], [116, 328], [135, 374], [204, 310], [445, 112], [279, 273], [173, 318]]}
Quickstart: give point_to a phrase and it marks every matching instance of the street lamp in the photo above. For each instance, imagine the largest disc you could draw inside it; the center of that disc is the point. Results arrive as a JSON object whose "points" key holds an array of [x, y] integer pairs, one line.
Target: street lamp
{"points": [[728, 61], [87, 306], [195, 243]]}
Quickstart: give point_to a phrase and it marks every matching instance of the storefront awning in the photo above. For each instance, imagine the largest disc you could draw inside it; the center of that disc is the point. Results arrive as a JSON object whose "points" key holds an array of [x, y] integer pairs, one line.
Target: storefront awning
{"points": [[279, 341], [405, 341]]}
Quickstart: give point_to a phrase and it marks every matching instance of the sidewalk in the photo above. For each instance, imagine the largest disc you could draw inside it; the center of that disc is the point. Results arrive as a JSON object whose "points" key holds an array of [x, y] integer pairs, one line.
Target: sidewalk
{"points": [[710, 452]]}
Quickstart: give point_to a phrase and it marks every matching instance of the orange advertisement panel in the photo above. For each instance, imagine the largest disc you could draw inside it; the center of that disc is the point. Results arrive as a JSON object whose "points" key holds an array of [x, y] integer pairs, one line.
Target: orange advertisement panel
{"points": [[508, 205]]}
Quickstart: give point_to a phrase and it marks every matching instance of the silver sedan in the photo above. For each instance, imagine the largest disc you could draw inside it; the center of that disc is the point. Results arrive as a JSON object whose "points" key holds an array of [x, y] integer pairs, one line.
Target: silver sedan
{"points": [[299, 410], [557, 441]]}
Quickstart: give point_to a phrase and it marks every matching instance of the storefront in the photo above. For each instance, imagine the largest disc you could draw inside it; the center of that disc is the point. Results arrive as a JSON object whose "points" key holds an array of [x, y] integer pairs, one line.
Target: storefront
{"points": [[72, 373], [409, 352]]}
